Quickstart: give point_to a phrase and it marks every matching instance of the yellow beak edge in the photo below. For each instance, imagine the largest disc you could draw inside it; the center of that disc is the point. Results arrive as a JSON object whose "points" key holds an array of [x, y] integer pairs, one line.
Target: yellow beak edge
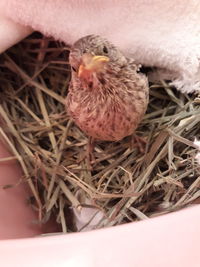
{"points": [[92, 64]]}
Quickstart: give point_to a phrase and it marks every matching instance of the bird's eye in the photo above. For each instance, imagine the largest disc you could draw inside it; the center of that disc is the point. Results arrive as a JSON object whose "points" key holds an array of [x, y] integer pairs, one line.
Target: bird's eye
{"points": [[105, 49], [74, 69]]}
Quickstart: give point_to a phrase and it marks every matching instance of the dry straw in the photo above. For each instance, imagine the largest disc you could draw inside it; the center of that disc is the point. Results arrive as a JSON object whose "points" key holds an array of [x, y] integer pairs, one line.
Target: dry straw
{"points": [[125, 184]]}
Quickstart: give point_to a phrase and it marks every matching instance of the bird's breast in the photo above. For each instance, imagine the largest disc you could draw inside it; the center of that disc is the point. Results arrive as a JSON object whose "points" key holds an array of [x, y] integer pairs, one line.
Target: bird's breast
{"points": [[108, 119]]}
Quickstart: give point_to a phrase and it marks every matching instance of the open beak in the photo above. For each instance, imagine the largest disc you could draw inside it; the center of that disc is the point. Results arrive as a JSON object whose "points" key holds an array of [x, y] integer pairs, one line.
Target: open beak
{"points": [[91, 64]]}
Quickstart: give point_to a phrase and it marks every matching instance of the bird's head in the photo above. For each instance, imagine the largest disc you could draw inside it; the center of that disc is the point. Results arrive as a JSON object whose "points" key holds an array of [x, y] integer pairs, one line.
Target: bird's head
{"points": [[92, 56], [91, 64]]}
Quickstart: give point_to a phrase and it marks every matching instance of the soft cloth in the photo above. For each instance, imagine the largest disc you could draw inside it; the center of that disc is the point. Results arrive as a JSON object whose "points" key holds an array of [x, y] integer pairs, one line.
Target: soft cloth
{"points": [[165, 34], [11, 32]]}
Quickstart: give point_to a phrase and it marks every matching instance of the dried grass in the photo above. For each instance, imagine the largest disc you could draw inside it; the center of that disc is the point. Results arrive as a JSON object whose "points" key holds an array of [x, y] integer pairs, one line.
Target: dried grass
{"points": [[125, 184]]}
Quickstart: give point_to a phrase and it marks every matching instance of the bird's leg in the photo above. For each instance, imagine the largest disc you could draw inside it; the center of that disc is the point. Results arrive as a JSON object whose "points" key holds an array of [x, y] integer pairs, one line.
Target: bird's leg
{"points": [[137, 141], [88, 154], [90, 149]]}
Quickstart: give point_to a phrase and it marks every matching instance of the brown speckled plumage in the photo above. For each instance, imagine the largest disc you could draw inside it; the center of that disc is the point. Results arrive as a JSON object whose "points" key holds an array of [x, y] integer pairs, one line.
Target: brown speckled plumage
{"points": [[107, 103]]}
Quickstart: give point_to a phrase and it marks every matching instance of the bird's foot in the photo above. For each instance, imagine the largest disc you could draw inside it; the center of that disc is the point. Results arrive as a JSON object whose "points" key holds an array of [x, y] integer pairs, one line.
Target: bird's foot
{"points": [[88, 154], [139, 142]]}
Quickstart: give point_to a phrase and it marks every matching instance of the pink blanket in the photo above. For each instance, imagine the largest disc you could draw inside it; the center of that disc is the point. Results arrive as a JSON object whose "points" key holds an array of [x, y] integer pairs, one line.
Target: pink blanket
{"points": [[165, 34]]}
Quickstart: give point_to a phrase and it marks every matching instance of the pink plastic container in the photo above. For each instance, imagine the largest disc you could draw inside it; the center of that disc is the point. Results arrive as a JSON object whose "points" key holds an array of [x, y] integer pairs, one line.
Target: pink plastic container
{"points": [[170, 240]]}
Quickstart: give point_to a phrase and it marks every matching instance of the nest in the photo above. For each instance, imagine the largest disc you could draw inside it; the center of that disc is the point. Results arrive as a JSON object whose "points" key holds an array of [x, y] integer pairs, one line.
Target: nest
{"points": [[125, 184]]}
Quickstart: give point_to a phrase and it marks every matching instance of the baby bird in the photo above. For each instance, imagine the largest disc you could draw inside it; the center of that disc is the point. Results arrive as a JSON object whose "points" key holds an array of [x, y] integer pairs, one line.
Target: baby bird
{"points": [[107, 96]]}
